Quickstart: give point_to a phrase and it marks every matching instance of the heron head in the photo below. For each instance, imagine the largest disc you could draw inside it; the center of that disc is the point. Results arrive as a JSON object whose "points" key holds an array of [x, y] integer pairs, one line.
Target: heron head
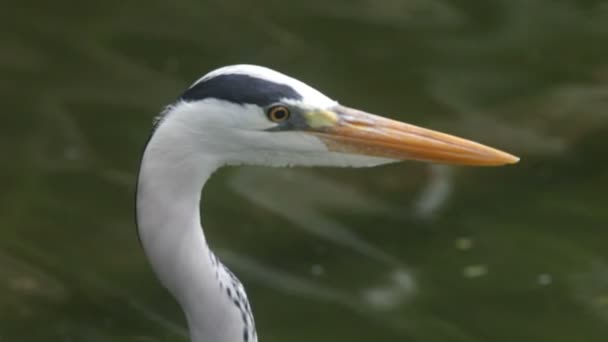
{"points": [[246, 114]]}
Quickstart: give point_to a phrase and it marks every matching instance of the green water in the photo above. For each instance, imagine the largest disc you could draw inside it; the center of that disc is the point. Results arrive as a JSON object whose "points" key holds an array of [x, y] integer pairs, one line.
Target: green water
{"points": [[405, 252]]}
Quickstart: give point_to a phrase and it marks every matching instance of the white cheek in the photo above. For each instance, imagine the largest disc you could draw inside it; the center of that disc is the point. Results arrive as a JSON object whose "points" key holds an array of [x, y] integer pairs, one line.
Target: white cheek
{"points": [[281, 141], [250, 117], [211, 113], [300, 141]]}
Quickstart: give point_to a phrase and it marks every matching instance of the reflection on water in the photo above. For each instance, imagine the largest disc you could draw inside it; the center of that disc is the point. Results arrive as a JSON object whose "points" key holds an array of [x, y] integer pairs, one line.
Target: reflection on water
{"points": [[388, 294], [436, 191], [403, 252], [308, 210]]}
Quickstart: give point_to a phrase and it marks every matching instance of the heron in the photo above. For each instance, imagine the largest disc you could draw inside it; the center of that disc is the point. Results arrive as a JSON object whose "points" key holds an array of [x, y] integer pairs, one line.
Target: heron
{"points": [[253, 115]]}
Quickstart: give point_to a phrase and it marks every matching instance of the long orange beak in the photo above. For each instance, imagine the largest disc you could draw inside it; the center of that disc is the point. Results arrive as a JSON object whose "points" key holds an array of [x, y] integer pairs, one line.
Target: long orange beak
{"points": [[352, 131]]}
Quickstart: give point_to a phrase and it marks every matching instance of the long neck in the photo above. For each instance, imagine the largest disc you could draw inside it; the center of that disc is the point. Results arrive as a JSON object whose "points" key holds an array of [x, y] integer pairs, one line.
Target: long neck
{"points": [[168, 196]]}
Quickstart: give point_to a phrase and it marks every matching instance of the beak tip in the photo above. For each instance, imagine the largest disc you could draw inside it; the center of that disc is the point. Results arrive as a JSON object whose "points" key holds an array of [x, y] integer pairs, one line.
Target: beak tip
{"points": [[507, 159]]}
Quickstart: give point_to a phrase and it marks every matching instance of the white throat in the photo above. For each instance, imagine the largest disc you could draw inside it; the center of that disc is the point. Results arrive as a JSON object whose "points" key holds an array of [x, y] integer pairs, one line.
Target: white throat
{"points": [[168, 216]]}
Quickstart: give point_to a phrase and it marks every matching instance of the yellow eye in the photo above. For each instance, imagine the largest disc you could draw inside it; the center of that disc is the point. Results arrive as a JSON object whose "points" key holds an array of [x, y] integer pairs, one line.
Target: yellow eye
{"points": [[278, 113]]}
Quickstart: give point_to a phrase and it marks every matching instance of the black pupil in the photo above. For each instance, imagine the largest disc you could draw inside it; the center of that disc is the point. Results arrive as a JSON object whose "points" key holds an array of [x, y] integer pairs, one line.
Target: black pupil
{"points": [[279, 114]]}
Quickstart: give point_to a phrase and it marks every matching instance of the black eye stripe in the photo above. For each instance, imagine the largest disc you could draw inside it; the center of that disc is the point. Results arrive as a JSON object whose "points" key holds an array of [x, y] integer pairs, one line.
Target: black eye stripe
{"points": [[241, 89]]}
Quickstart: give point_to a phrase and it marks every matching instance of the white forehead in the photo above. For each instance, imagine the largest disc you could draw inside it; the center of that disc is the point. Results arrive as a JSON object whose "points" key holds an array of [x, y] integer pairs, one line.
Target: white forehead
{"points": [[310, 96]]}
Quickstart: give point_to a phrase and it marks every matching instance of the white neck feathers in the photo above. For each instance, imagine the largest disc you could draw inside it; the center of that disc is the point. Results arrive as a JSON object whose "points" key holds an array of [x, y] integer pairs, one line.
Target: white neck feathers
{"points": [[169, 187]]}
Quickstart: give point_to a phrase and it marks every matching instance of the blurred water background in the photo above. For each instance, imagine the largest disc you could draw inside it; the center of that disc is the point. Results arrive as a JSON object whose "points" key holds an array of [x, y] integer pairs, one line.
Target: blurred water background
{"points": [[406, 252]]}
